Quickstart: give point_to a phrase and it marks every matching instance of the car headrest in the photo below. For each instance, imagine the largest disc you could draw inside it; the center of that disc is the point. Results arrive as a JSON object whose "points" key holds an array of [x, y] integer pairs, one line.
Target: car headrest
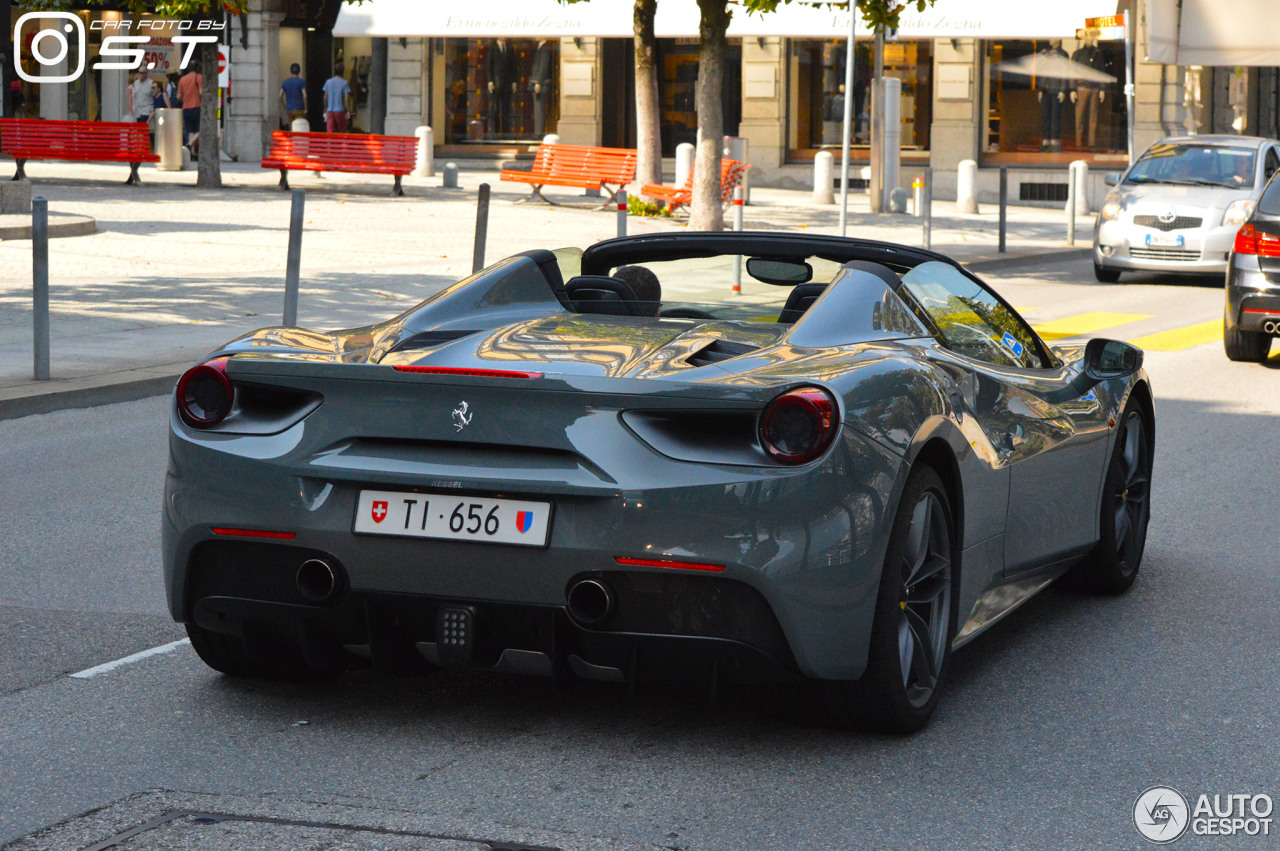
{"points": [[602, 294]]}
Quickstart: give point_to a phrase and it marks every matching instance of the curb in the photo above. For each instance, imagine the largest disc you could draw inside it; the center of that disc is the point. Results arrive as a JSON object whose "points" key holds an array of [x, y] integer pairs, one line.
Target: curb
{"points": [[60, 224], [40, 402], [990, 262]]}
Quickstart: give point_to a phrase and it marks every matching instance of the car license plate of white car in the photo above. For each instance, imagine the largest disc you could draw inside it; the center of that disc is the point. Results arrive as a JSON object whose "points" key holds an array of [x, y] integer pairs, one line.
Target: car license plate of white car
{"points": [[1165, 239], [453, 517]]}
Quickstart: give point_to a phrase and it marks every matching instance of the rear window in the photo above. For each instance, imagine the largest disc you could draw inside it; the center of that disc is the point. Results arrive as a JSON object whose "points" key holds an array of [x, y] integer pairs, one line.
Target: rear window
{"points": [[1269, 203]]}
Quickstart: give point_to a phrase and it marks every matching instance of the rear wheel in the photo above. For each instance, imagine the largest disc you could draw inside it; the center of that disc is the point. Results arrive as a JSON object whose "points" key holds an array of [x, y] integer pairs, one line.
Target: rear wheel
{"points": [[1105, 275], [1126, 508], [1247, 346], [914, 619]]}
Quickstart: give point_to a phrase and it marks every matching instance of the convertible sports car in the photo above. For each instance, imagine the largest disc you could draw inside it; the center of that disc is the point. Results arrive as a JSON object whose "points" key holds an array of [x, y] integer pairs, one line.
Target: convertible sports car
{"points": [[837, 477]]}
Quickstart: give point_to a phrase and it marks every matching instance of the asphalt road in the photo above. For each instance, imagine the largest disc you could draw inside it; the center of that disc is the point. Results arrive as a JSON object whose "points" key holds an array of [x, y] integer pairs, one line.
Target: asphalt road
{"points": [[1052, 724]]}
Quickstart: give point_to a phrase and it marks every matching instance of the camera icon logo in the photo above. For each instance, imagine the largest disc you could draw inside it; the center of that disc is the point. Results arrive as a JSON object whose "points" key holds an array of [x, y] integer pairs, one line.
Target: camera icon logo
{"points": [[47, 54]]}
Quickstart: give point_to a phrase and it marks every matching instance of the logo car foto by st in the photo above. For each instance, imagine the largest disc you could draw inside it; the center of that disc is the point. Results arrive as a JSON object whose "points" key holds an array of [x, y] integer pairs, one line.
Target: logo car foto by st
{"points": [[1162, 814], [47, 37]]}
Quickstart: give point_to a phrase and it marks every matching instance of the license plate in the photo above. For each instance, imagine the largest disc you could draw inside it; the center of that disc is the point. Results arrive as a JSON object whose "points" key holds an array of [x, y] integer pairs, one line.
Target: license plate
{"points": [[453, 517], [1166, 239]]}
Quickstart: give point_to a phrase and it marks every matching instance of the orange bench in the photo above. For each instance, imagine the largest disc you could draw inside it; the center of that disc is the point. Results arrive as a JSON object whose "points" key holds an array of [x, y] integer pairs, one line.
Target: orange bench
{"points": [[353, 152], [83, 141], [575, 165], [731, 173]]}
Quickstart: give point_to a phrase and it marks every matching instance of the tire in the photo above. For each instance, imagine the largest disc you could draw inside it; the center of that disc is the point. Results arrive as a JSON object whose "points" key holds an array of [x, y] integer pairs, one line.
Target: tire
{"points": [[1246, 346], [1113, 564], [914, 620], [1105, 275], [267, 656]]}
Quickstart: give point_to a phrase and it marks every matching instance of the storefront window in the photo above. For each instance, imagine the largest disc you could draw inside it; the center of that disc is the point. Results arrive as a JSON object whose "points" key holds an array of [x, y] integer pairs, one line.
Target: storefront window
{"points": [[817, 96], [1058, 96], [355, 56], [500, 90], [678, 90]]}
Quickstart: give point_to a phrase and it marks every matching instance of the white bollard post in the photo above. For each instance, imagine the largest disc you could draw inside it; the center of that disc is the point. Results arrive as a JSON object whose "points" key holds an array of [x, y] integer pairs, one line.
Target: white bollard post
{"points": [[684, 162], [966, 187], [1078, 176], [300, 125], [622, 211], [824, 169], [425, 166], [551, 139]]}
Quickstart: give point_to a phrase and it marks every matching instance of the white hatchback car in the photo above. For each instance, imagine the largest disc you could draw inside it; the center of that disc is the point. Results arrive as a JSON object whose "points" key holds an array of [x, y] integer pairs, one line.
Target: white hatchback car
{"points": [[1177, 209]]}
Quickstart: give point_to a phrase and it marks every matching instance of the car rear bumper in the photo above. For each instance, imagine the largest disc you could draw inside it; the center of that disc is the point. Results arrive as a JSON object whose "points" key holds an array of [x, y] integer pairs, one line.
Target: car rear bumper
{"points": [[808, 543], [1253, 298]]}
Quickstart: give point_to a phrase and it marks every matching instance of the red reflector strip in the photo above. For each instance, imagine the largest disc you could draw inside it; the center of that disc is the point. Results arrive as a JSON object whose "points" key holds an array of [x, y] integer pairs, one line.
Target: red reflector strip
{"points": [[474, 373], [254, 533], [679, 565], [1257, 310]]}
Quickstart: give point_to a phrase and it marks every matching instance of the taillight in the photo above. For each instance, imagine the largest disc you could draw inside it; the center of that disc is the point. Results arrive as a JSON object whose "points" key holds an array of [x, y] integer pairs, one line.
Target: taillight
{"points": [[1250, 240], [798, 426], [205, 394]]}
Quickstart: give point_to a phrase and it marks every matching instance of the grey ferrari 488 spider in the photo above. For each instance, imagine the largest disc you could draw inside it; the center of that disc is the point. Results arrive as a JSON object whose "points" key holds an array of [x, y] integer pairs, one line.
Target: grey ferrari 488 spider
{"points": [[571, 464]]}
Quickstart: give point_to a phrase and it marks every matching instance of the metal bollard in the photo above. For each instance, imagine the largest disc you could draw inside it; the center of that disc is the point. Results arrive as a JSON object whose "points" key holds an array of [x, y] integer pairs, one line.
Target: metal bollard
{"points": [[40, 285], [622, 211], [967, 187], [450, 176], [1004, 209], [917, 192], [294, 261], [926, 199], [482, 228], [737, 226], [1071, 211]]}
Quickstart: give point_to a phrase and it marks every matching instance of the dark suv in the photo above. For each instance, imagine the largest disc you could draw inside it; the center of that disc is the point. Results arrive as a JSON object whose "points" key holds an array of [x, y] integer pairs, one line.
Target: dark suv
{"points": [[1252, 316]]}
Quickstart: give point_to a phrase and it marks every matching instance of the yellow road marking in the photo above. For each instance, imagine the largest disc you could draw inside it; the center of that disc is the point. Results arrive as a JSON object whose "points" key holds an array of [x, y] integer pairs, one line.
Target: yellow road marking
{"points": [[1085, 323], [1181, 338]]}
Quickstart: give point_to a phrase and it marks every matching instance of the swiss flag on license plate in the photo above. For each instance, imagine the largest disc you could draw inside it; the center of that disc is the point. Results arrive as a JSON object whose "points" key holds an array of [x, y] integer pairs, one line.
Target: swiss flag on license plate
{"points": [[379, 511]]}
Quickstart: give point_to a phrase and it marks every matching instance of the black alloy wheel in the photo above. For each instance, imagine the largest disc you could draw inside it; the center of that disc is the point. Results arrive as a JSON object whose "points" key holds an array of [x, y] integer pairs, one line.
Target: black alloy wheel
{"points": [[914, 620], [1126, 509]]}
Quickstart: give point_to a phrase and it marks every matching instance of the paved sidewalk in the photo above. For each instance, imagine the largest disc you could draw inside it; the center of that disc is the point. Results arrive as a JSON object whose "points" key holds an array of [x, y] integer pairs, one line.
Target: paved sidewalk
{"points": [[174, 271]]}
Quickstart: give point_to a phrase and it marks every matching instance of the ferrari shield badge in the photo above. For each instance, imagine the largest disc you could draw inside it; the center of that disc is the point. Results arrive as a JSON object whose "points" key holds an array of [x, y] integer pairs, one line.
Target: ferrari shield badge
{"points": [[462, 416]]}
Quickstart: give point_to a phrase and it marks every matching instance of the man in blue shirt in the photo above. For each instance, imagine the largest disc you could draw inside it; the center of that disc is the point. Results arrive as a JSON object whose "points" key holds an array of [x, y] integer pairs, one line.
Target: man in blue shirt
{"points": [[337, 102], [293, 95]]}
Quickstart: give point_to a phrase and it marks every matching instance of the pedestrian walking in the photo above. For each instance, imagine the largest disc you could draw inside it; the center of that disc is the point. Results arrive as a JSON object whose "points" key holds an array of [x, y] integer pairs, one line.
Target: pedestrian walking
{"points": [[171, 89], [293, 95], [140, 98], [189, 86], [337, 102]]}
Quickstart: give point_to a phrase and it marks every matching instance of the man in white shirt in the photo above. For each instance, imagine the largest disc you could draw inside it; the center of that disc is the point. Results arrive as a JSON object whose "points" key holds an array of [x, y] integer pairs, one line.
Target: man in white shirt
{"points": [[141, 101]]}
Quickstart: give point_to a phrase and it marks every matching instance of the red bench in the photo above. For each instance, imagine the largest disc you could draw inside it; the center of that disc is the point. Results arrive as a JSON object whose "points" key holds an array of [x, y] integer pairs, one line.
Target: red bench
{"points": [[85, 141], [731, 173], [577, 166], [353, 152]]}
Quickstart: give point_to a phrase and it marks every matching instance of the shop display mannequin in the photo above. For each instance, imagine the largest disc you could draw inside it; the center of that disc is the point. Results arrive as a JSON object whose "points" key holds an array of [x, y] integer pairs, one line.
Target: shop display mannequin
{"points": [[1052, 94], [1089, 95], [499, 66], [540, 84]]}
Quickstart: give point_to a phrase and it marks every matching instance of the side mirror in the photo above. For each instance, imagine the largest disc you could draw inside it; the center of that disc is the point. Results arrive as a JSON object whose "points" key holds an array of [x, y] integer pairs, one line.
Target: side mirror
{"points": [[1104, 359], [1111, 178]]}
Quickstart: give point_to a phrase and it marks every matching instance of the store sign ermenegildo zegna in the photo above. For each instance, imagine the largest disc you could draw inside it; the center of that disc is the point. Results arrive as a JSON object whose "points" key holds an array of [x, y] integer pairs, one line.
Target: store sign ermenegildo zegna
{"points": [[613, 19]]}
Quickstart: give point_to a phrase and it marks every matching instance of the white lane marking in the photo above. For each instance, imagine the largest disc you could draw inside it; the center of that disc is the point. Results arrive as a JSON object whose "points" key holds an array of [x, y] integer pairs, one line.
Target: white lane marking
{"points": [[106, 667]]}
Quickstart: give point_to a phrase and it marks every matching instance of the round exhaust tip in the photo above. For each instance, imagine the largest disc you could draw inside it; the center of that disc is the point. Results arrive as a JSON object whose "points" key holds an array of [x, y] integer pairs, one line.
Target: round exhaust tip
{"points": [[590, 602], [317, 580]]}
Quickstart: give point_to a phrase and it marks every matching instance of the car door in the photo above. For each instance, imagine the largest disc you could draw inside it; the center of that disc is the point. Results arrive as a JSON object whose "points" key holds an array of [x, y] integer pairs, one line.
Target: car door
{"points": [[1054, 449]]}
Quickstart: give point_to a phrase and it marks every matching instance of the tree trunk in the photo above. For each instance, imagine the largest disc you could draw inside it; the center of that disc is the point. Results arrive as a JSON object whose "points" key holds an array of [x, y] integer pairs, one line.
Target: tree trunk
{"points": [[209, 174], [706, 212], [648, 119]]}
